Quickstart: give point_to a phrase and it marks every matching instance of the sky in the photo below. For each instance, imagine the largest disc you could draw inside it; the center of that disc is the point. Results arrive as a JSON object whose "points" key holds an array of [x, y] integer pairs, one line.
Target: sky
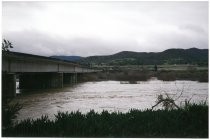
{"points": [[104, 28]]}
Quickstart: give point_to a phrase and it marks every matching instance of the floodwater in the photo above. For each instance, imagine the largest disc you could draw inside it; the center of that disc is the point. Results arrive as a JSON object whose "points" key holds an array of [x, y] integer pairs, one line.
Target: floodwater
{"points": [[107, 95]]}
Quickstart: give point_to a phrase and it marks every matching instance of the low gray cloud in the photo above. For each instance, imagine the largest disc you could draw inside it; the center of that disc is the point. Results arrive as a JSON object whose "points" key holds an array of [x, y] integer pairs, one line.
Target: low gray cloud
{"points": [[41, 44], [103, 28]]}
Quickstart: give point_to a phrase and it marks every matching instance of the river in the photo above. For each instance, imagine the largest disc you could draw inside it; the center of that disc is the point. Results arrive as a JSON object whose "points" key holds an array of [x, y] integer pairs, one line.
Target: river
{"points": [[107, 95]]}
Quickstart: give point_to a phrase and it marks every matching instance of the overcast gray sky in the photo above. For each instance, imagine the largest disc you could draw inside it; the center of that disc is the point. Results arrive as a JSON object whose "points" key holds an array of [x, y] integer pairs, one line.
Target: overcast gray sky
{"points": [[101, 28]]}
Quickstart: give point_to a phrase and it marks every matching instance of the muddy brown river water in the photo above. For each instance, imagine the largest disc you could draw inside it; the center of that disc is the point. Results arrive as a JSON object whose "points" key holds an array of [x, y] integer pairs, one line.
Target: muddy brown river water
{"points": [[107, 95]]}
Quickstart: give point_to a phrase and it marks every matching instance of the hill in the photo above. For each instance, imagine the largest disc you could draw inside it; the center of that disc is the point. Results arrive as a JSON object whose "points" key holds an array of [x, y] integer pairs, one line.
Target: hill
{"points": [[68, 58], [170, 56]]}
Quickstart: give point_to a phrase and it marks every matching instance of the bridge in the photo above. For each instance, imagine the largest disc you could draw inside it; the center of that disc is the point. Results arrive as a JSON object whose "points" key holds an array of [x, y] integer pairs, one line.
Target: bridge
{"points": [[38, 72]]}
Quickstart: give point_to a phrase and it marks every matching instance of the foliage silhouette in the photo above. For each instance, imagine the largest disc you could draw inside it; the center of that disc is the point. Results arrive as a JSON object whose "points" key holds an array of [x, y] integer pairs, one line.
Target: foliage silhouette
{"points": [[190, 122], [6, 45]]}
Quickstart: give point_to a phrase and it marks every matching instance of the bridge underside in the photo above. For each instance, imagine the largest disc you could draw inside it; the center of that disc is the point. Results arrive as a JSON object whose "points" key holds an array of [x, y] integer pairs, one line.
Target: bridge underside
{"points": [[36, 81], [37, 72]]}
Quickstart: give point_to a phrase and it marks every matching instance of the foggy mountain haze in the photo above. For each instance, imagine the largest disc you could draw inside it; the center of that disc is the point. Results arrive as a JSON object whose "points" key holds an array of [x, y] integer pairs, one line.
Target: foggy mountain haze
{"points": [[104, 28]]}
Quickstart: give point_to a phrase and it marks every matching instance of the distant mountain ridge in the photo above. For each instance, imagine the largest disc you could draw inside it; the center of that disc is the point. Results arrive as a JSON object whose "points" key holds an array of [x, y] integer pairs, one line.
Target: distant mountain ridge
{"points": [[170, 56], [67, 58]]}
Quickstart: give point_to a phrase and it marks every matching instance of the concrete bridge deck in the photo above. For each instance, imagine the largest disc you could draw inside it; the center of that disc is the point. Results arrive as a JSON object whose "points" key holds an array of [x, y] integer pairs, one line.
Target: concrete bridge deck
{"points": [[14, 62], [38, 72]]}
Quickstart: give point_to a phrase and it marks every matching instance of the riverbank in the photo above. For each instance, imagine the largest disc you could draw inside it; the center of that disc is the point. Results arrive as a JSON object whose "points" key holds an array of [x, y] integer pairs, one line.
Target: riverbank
{"points": [[144, 75], [188, 122]]}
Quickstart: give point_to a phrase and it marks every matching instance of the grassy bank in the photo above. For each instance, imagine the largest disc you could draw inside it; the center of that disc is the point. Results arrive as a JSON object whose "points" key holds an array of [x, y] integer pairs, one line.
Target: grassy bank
{"points": [[143, 75], [194, 75], [190, 121]]}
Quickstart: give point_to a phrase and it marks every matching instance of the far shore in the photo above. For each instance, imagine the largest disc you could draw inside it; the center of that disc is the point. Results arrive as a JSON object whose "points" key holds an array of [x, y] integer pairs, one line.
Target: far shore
{"points": [[123, 74]]}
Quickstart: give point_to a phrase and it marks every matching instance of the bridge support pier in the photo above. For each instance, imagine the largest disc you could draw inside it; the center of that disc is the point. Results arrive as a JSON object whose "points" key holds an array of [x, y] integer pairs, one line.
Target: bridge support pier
{"points": [[8, 85], [80, 77], [70, 78], [41, 80]]}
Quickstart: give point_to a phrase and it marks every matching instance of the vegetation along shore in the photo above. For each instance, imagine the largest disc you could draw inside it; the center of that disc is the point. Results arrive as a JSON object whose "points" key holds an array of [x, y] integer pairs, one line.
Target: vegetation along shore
{"points": [[190, 121]]}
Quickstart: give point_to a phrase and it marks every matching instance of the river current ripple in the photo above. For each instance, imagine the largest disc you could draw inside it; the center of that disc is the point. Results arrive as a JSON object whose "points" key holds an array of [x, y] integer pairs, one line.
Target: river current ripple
{"points": [[107, 95]]}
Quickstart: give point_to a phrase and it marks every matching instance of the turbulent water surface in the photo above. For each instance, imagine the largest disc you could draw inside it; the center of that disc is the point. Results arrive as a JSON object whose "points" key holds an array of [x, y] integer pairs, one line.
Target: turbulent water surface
{"points": [[107, 95]]}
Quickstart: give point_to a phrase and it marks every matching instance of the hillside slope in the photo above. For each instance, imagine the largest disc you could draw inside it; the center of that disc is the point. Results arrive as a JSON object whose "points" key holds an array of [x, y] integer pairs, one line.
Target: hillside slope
{"points": [[170, 56], [67, 58]]}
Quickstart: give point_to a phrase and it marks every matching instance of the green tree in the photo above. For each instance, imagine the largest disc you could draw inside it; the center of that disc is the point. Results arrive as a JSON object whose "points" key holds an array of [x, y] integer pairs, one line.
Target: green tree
{"points": [[6, 45]]}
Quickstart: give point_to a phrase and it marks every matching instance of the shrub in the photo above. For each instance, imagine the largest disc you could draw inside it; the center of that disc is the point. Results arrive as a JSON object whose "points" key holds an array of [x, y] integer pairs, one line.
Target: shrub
{"points": [[191, 122]]}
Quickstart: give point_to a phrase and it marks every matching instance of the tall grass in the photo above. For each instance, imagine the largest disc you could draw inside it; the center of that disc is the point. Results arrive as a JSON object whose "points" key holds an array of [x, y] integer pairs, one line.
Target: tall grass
{"points": [[187, 122], [136, 75], [195, 75]]}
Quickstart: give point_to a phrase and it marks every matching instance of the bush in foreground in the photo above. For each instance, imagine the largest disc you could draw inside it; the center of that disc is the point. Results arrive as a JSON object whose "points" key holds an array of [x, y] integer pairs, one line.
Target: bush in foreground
{"points": [[191, 121]]}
